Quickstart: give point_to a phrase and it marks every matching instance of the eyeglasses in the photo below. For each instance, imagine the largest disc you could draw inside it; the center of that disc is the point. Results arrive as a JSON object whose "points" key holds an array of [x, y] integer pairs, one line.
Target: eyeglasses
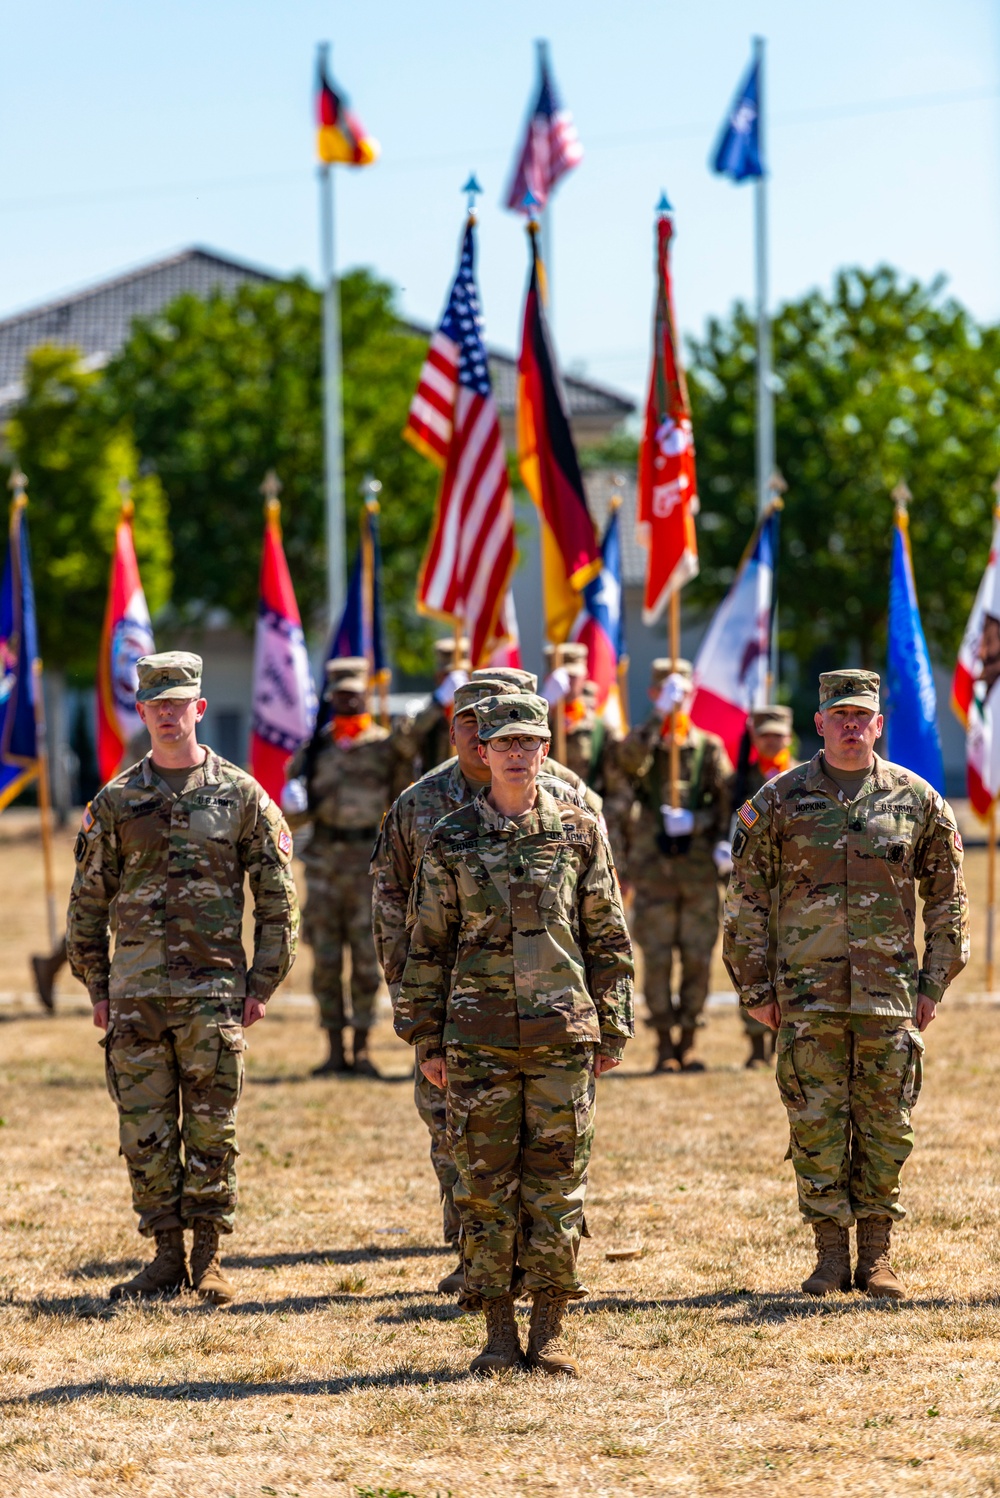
{"points": [[509, 742]]}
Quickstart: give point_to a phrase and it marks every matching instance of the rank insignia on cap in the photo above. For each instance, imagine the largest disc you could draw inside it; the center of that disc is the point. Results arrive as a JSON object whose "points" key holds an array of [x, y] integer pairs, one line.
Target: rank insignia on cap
{"points": [[513, 713], [285, 842], [748, 814], [88, 818]]}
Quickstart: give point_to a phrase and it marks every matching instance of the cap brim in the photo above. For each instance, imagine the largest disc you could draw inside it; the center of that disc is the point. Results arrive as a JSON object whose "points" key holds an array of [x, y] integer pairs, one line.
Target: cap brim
{"points": [[853, 699], [772, 725], [516, 731], [180, 693], [350, 684]]}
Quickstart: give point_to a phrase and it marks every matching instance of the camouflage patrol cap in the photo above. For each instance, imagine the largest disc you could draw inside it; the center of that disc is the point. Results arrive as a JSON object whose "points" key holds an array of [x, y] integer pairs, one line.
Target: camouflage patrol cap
{"points": [[471, 692], [444, 649], [572, 658], [172, 673], [771, 719], [849, 689], [347, 673], [663, 667], [510, 716], [521, 681]]}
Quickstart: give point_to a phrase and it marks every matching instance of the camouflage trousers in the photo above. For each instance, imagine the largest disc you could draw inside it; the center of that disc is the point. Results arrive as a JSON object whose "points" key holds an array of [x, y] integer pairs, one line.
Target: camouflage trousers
{"points": [[433, 1109], [338, 918], [848, 1084], [521, 1127], [679, 914], [174, 1069]]}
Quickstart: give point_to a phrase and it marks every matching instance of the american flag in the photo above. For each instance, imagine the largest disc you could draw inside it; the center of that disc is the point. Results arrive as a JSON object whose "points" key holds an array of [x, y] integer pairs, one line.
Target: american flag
{"points": [[453, 421], [551, 145]]}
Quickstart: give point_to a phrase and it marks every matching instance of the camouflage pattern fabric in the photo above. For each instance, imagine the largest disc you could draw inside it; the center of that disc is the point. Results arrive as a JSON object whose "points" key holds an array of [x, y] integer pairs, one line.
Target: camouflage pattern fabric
{"points": [[175, 868], [521, 1127], [677, 900], [517, 934], [845, 876], [753, 780], [677, 915], [591, 753], [350, 786], [849, 1084], [165, 1055], [432, 735], [401, 842], [338, 919]]}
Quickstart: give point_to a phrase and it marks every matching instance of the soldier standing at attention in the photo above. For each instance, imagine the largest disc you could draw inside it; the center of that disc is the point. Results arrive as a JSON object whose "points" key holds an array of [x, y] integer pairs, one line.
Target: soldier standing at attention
{"points": [[675, 858], [170, 841], [347, 776], [401, 842], [432, 725], [517, 993], [844, 841], [771, 742]]}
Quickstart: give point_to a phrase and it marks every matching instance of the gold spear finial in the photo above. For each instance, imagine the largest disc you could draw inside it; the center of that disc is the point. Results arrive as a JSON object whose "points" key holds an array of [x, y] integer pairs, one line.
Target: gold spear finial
{"points": [[271, 490], [125, 490], [776, 487], [371, 488], [18, 486], [901, 497]]}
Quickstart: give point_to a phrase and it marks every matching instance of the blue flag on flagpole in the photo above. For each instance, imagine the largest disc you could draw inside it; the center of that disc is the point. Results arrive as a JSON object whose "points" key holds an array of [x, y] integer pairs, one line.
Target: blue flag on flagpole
{"points": [[737, 154], [19, 758], [912, 733]]}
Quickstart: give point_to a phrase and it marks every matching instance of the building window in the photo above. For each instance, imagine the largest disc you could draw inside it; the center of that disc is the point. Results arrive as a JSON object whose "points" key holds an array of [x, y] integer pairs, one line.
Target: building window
{"points": [[228, 734]]}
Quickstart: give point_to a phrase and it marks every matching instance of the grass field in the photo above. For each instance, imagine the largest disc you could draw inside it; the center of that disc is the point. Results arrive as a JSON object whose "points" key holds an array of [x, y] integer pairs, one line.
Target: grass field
{"points": [[339, 1371]]}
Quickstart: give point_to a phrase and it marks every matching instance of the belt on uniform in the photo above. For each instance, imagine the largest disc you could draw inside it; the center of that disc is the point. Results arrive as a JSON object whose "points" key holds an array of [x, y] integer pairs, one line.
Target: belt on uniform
{"points": [[351, 834]]}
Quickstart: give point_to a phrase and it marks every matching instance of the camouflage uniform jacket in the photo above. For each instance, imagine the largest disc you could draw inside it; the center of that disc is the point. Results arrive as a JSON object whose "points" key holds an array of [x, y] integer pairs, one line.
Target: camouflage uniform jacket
{"points": [[351, 784], [705, 780], [174, 867], [846, 876], [431, 730], [517, 934], [401, 841]]}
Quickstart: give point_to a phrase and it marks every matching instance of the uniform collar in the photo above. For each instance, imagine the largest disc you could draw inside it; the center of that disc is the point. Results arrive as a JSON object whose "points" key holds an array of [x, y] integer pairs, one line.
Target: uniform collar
{"points": [[212, 768], [880, 777], [546, 807]]}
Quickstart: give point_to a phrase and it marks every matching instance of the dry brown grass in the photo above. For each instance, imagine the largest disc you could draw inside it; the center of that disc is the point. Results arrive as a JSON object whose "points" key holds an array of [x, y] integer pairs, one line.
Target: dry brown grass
{"points": [[339, 1371]]}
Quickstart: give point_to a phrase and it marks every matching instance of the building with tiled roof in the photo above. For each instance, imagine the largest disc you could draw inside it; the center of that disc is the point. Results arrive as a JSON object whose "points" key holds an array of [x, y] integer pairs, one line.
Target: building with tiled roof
{"points": [[97, 321]]}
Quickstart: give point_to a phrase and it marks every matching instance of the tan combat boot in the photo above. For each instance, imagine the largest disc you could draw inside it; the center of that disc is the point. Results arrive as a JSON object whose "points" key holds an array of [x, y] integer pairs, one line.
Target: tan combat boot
{"points": [[684, 1056], [503, 1348], [44, 970], [164, 1275], [454, 1281], [336, 1061], [546, 1348], [206, 1271], [874, 1272], [665, 1059], [833, 1259], [362, 1064], [756, 1058]]}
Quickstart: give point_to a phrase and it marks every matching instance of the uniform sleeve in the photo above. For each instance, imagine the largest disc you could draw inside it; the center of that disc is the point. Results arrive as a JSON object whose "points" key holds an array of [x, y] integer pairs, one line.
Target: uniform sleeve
{"points": [[266, 851], [945, 902], [748, 902], [618, 801], [433, 921], [607, 948], [393, 869], [95, 885]]}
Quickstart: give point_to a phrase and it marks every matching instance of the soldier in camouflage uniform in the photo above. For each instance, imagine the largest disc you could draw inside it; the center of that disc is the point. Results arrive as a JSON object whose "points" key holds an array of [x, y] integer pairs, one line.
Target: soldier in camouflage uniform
{"points": [[844, 841], [394, 863], [517, 992], [432, 725], [170, 842], [674, 859], [590, 743], [347, 776], [770, 730]]}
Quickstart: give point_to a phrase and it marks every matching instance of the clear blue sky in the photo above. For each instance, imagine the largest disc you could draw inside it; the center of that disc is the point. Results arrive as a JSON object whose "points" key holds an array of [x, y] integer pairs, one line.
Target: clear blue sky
{"points": [[130, 129]]}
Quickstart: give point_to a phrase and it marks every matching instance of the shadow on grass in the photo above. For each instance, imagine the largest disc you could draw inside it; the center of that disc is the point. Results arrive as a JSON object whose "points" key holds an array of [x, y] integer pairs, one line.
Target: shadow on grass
{"points": [[186, 1303], [369, 1255], [342, 1079], [751, 1307], [207, 1389]]}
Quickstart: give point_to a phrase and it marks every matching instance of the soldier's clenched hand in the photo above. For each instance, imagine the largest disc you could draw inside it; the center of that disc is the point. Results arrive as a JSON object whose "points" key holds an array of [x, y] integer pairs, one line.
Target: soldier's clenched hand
{"points": [[101, 1014], [768, 1014], [926, 1011], [253, 1010], [436, 1072]]}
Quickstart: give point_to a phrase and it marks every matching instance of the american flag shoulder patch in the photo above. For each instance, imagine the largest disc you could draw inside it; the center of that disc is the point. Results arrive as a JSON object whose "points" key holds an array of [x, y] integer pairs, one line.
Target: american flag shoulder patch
{"points": [[748, 814], [88, 818]]}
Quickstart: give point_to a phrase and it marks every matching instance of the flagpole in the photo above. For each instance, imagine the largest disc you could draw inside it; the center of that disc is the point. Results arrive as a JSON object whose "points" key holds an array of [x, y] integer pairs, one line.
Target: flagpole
{"points": [[675, 652], [333, 420], [623, 660], [765, 391]]}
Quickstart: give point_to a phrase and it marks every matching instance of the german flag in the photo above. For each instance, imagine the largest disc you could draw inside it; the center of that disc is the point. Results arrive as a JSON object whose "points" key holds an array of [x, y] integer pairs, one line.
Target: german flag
{"points": [[571, 556], [340, 136]]}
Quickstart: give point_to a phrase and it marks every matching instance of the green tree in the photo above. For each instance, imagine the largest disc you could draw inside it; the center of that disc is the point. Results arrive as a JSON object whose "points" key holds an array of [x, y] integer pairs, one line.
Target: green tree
{"points": [[883, 381], [219, 391], [74, 455]]}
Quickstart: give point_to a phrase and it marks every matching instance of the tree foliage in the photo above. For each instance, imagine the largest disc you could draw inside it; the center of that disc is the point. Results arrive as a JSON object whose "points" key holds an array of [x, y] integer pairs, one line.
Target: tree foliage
{"points": [[883, 381], [75, 455], [221, 390]]}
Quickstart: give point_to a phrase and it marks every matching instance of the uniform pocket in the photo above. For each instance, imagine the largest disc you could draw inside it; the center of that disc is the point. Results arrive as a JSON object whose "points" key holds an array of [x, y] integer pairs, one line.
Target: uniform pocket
{"points": [[583, 1115], [110, 1079], [913, 1077], [786, 1076], [457, 1117], [229, 1069]]}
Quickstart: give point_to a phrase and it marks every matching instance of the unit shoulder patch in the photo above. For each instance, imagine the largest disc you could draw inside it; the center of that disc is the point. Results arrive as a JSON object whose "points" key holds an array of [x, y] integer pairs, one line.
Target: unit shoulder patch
{"points": [[285, 842]]}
